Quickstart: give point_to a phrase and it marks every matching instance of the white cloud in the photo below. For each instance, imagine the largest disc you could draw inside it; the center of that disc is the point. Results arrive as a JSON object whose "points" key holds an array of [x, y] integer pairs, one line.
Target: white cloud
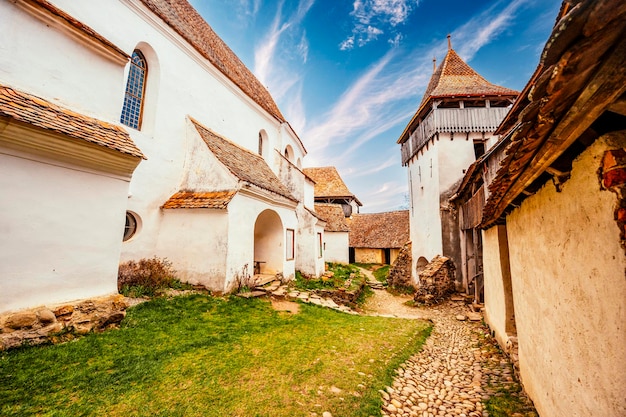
{"points": [[368, 34], [347, 43], [383, 197], [249, 7], [388, 93], [395, 41], [271, 67], [374, 168], [373, 15], [392, 11], [295, 109], [477, 34], [303, 47]]}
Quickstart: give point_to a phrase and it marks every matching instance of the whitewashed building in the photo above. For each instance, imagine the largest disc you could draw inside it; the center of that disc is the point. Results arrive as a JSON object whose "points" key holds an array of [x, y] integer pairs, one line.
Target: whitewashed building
{"points": [[453, 126], [336, 237], [335, 203], [550, 204], [65, 164], [219, 191]]}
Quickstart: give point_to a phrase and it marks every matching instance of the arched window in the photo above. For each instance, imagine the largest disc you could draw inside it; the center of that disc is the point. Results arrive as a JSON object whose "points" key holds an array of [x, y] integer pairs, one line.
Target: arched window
{"points": [[135, 91], [289, 153], [264, 146]]}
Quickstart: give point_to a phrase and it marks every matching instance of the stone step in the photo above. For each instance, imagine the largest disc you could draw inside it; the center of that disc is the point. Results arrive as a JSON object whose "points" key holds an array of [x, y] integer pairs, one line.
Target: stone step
{"points": [[251, 294], [262, 279]]}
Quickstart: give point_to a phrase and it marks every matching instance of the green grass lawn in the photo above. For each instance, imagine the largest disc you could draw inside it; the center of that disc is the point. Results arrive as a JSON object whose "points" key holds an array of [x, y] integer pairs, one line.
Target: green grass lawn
{"points": [[203, 356]]}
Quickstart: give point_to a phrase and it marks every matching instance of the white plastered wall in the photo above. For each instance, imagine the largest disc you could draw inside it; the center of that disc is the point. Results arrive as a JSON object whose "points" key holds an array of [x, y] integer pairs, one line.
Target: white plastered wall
{"points": [[42, 60], [185, 84], [497, 285], [431, 172], [425, 221], [336, 247], [196, 244], [567, 269], [308, 260], [243, 212], [61, 231]]}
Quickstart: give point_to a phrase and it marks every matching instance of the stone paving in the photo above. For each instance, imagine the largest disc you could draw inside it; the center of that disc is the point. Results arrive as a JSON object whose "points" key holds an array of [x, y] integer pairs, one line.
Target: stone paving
{"points": [[457, 370]]}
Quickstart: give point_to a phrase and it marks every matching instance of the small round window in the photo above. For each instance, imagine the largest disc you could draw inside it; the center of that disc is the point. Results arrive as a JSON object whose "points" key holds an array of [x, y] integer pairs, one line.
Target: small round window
{"points": [[131, 226]]}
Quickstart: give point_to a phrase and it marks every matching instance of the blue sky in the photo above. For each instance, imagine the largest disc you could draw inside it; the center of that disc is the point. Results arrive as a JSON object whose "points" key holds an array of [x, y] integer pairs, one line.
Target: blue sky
{"points": [[349, 74]]}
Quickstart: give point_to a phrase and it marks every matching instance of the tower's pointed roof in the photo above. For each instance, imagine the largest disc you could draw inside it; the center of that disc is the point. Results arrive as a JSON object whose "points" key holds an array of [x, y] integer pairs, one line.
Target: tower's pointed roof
{"points": [[454, 78]]}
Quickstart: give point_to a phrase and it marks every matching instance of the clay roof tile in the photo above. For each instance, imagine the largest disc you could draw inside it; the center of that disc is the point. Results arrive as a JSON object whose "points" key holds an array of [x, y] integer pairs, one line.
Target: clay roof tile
{"points": [[334, 217], [35, 111], [186, 21], [195, 199], [243, 164], [328, 183], [379, 230]]}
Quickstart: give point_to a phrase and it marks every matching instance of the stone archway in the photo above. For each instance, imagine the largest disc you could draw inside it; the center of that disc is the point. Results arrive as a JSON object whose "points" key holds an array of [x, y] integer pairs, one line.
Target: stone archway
{"points": [[268, 243]]}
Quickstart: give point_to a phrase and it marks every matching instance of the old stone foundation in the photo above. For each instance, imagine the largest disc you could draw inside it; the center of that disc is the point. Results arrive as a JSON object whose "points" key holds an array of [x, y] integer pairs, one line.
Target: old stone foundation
{"points": [[53, 324]]}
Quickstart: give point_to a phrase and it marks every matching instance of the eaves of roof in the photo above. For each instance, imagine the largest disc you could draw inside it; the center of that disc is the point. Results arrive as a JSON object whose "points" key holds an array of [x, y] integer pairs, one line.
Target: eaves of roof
{"points": [[52, 15], [40, 113], [246, 166]]}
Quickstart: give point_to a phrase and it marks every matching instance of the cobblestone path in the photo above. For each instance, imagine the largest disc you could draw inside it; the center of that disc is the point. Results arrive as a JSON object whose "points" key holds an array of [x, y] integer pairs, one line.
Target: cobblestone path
{"points": [[458, 369]]}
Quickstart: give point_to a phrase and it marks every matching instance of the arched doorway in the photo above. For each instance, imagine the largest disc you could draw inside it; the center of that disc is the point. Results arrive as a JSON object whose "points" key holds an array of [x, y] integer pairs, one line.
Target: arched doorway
{"points": [[268, 243]]}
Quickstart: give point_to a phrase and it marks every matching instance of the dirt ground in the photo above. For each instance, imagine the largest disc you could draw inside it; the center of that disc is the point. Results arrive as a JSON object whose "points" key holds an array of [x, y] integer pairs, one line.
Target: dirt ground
{"points": [[385, 304]]}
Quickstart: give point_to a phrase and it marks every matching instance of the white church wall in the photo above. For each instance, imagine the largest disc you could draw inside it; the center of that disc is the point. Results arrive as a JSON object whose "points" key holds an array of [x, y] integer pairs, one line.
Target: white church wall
{"points": [[43, 60], [61, 231]]}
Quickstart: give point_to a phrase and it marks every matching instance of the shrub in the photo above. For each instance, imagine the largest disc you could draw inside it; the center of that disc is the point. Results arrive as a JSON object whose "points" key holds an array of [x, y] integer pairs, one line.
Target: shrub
{"points": [[145, 277]]}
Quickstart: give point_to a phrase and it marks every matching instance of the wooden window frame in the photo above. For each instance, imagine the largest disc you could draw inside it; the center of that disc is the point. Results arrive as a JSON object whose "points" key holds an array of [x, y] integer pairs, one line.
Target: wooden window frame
{"points": [[290, 244], [320, 244]]}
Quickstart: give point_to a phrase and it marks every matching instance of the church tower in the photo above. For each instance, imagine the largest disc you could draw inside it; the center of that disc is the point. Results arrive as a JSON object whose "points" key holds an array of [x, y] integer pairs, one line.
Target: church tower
{"points": [[452, 127]]}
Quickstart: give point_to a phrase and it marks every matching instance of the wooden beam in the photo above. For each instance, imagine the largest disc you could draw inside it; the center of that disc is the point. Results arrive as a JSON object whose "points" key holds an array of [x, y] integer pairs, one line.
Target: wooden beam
{"points": [[618, 106], [605, 88]]}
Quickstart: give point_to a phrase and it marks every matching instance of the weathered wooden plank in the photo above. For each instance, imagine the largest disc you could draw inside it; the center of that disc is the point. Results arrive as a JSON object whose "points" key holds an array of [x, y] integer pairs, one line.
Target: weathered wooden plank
{"points": [[619, 107], [607, 85]]}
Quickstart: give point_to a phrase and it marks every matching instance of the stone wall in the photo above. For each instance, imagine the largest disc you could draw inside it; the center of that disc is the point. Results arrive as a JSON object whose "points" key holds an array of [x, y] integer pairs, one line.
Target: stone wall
{"points": [[400, 271], [62, 322], [436, 281]]}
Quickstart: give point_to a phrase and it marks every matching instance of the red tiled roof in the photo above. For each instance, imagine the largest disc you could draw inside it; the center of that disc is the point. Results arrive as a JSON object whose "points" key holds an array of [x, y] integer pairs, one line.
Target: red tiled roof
{"points": [[194, 199], [455, 78], [41, 113], [379, 230], [580, 74], [333, 215], [243, 164], [328, 183], [186, 21]]}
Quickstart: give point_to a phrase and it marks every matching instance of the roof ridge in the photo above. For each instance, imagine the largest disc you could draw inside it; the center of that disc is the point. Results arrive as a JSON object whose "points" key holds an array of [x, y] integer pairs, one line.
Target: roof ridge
{"points": [[242, 163], [185, 20], [198, 124]]}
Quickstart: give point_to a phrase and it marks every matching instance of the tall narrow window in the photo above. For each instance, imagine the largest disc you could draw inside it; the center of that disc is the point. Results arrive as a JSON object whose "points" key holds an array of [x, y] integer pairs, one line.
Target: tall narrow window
{"points": [[135, 90], [260, 144]]}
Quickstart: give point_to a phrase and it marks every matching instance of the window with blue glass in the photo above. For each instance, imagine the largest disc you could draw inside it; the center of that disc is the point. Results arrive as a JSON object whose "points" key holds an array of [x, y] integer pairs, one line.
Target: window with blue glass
{"points": [[135, 90]]}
